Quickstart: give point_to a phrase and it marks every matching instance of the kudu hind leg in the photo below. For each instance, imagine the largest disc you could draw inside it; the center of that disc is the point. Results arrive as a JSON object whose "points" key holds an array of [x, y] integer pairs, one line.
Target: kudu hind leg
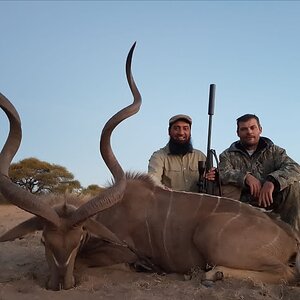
{"points": [[281, 274]]}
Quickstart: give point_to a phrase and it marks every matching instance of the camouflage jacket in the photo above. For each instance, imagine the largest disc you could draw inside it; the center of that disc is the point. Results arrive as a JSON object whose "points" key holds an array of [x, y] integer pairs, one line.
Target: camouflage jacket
{"points": [[268, 162], [178, 172]]}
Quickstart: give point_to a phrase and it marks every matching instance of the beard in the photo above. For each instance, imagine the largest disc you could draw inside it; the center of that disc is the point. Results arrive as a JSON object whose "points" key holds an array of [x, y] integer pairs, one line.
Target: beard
{"points": [[177, 148], [250, 144]]}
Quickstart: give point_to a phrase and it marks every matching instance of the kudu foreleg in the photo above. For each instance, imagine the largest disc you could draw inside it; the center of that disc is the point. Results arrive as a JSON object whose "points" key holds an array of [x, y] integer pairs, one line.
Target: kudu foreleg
{"points": [[282, 274]]}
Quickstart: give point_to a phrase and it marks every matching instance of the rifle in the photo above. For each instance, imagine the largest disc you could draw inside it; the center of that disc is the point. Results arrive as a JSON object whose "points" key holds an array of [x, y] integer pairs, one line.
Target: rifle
{"points": [[208, 186]]}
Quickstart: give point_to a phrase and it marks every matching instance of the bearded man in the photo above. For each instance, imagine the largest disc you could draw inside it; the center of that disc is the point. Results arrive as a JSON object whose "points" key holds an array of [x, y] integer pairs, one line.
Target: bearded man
{"points": [[175, 166]]}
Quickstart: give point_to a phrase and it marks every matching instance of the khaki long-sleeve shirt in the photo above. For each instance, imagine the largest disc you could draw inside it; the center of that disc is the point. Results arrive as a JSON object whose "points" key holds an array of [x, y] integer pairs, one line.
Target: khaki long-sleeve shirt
{"points": [[178, 172]]}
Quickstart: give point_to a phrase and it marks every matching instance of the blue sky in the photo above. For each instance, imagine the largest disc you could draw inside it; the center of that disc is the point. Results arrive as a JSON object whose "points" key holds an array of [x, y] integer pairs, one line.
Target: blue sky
{"points": [[62, 65]]}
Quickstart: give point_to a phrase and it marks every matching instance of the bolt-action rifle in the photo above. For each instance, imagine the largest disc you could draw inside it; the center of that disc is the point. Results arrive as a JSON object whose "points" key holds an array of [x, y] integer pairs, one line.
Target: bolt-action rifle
{"points": [[209, 186]]}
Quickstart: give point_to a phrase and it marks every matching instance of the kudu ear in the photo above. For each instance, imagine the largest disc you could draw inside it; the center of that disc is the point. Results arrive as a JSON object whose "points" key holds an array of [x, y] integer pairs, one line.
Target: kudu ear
{"points": [[24, 228], [101, 231]]}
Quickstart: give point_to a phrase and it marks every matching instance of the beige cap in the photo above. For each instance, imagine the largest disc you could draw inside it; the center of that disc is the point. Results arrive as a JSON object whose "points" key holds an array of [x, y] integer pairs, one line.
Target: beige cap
{"points": [[180, 117]]}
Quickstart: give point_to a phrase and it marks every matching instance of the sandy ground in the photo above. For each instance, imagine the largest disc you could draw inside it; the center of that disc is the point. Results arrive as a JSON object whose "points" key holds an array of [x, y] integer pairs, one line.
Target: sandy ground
{"points": [[24, 273]]}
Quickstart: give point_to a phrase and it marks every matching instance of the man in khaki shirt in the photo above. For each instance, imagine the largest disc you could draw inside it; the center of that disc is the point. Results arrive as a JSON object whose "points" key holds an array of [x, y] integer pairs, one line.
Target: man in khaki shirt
{"points": [[176, 165]]}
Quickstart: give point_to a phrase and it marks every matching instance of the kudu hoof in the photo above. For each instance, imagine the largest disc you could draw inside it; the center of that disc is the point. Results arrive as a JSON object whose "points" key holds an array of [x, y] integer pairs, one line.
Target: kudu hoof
{"points": [[219, 275], [213, 275]]}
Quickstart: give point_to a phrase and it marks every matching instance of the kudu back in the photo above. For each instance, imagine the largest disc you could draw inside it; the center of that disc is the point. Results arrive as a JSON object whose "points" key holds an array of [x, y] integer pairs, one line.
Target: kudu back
{"points": [[135, 221]]}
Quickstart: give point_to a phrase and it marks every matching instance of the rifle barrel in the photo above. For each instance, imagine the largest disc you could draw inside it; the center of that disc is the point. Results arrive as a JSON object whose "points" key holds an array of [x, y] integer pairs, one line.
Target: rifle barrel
{"points": [[211, 109], [211, 103]]}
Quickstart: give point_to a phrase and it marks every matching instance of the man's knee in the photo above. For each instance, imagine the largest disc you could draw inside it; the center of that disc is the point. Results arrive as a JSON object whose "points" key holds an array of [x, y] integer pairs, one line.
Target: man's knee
{"points": [[289, 205]]}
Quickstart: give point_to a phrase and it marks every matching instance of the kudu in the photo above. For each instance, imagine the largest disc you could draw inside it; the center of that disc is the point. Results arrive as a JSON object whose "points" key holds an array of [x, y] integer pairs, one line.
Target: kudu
{"points": [[135, 220]]}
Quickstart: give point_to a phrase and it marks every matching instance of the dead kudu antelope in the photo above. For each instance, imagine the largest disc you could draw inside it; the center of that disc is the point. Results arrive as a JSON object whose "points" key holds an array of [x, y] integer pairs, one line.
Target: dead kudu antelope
{"points": [[136, 221]]}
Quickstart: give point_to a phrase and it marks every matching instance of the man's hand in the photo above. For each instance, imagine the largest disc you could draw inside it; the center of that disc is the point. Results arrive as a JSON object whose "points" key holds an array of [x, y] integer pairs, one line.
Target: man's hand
{"points": [[254, 185], [265, 196], [211, 174], [262, 193]]}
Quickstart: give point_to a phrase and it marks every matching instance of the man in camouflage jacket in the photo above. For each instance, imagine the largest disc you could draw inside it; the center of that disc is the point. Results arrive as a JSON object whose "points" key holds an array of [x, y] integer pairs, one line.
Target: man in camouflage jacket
{"points": [[255, 171]]}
